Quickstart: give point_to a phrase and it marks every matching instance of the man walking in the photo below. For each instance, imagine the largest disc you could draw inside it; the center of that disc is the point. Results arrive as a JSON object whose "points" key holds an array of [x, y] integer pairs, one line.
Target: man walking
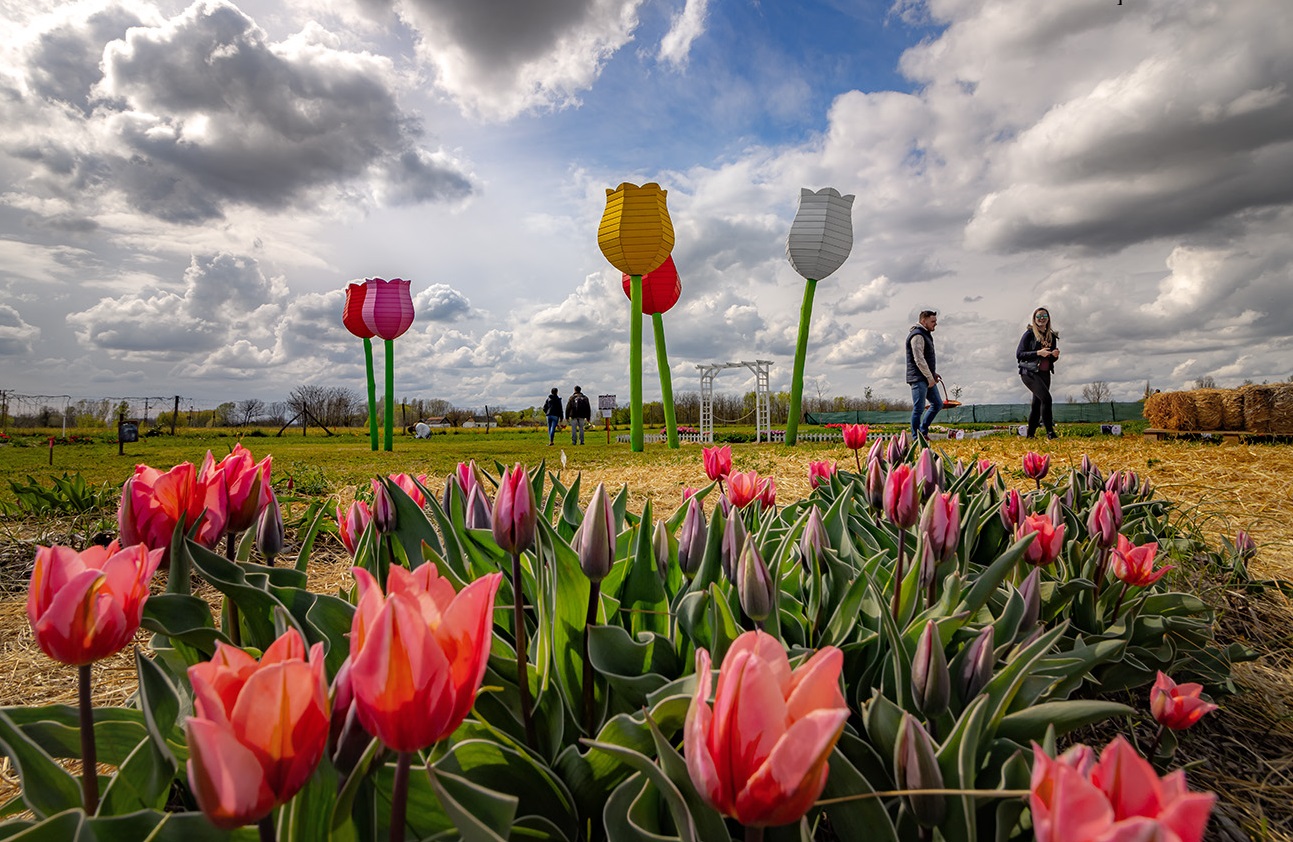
{"points": [[579, 411], [922, 374], [552, 409]]}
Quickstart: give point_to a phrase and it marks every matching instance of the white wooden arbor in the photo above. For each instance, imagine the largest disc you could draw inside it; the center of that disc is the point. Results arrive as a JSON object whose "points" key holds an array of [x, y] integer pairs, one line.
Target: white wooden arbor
{"points": [[762, 398]]}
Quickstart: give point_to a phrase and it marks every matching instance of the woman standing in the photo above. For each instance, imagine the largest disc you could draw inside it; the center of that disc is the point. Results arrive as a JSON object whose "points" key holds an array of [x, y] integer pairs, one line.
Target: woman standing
{"points": [[1036, 354]]}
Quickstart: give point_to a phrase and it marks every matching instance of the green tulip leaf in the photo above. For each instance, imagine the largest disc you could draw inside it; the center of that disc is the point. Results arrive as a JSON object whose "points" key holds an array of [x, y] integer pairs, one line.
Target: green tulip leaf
{"points": [[1066, 716], [47, 788], [182, 617], [479, 813]]}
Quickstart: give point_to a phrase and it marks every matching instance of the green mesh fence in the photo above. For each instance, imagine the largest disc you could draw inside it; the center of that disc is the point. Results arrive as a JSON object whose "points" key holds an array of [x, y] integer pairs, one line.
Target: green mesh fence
{"points": [[993, 413]]}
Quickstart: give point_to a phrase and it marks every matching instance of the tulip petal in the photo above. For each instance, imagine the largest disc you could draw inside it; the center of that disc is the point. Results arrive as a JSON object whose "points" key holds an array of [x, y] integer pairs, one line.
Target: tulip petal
{"points": [[749, 715], [226, 777], [794, 773], [816, 684], [1132, 786]]}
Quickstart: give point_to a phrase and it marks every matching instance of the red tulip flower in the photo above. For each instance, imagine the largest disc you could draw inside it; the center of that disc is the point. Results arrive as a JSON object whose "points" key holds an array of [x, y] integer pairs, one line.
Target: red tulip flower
{"points": [[352, 523], [1135, 564], [409, 487], [744, 488], [388, 307], [901, 502], [1047, 544], [661, 288], [242, 481], [515, 513], [1177, 706], [1118, 799], [258, 729], [418, 653], [1036, 466], [86, 606], [718, 462], [353, 314], [153, 502], [760, 754], [820, 473], [855, 436]]}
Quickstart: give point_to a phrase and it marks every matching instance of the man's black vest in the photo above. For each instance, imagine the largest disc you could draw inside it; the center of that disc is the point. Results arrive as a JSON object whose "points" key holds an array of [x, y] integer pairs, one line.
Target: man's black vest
{"points": [[913, 373]]}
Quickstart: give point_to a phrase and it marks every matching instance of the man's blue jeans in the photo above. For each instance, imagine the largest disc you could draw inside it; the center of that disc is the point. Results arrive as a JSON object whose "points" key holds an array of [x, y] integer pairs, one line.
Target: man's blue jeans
{"points": [[919, 392], [553, 421]]}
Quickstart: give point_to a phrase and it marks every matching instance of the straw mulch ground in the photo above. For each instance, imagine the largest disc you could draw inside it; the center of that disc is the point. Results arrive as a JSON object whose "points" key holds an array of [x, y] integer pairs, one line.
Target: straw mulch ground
{"points": [[1244, 751]]}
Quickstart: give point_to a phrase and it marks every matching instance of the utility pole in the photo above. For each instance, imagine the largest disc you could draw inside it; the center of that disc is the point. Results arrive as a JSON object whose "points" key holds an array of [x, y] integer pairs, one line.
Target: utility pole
{"points": [[175, 412], [4, 407]]}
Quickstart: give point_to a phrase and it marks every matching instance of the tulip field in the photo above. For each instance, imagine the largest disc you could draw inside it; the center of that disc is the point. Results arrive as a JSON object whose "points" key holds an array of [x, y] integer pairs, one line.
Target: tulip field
{"points": [[484, 638]]}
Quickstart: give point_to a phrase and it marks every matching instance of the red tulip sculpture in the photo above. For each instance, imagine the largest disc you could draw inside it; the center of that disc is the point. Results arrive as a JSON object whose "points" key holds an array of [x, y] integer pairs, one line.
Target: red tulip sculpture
{"points": [[383, 309], [661, 289], [820, 240]]}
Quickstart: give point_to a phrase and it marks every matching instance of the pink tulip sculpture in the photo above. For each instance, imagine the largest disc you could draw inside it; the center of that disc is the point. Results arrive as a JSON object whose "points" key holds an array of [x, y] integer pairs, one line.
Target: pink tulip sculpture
{"points": [[820, 240], [384, 309], [660, 291]]}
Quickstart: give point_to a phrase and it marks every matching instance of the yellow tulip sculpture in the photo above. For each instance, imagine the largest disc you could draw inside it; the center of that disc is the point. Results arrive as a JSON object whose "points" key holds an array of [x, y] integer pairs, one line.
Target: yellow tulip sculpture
{"points": [[636, 236]]}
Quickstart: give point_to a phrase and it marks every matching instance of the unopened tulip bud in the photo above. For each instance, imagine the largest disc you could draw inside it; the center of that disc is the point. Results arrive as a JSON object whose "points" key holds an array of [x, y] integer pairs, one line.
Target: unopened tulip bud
{"points": [[478, 513], [597, 537], [1012, 510], [931, 682], [269, 530], [1245, 546], [976, 668], [876, 451], [897, 450], [692, 539], [1036, 465], [1105, 519], [917, 765], [875, 484], [1055, 511], [940, 523], [515, 515], [926, 473], [959, 468], [814, 539], [446, 496], [1030, 590], [901, 500], [1114, 483], [662, 547], [733, 540], [754, 583], [383, 508]]}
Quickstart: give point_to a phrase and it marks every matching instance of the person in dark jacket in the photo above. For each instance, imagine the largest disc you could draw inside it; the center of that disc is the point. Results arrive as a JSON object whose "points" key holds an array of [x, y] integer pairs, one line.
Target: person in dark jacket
{"points": [[922, 374], [1036, 354], [552, 409], [580, 412]]}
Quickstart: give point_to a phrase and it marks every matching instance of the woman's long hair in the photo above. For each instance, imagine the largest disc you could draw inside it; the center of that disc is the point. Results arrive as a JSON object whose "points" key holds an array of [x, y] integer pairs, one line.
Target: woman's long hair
{"points": [[1045, 338]]}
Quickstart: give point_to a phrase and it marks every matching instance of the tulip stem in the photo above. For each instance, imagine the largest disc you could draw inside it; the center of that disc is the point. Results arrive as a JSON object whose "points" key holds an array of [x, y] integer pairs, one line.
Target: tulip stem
{"points": [[637, 442], [897, 574], [857, 459], [594, 596], [267, 831], [390, 394], [801, 353], [753, 834], [89, 757], [1117, 606], [1100, 570], [234, 628], [666, 381], [372, 393], [522, 672], [1153, 747], [400, 795]]}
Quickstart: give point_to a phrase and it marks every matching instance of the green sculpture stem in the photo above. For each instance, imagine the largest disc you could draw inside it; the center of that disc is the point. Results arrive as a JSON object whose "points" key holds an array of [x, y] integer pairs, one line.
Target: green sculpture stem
{"points": [[372, 393], [390, 394], [801, 353], [666, 380], [636, 439]]}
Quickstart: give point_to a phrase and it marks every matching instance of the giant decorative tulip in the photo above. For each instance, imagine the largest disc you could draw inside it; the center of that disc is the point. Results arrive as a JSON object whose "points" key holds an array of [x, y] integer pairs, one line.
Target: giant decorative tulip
{"points": [[86, 606], [418, 653], [1048, 539], [760, 754], [636, 236], [820, 240], [352, 317], [660, 291], [1120, 798], [258, 729], [1177, 706], [153, 502], [718, 462], [242, 481], [1135, 564], [388, 313]]}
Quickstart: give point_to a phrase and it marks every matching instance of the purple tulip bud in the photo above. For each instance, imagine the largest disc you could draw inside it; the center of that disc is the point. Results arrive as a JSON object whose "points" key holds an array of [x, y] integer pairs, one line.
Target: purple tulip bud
{"points": [[940, 523], [976, 668], [478, 513], [1030, 590], [1069, 493], [931, 682], [596, 537], [1055, 511], [733, 541], [958, 469], [926, 475], [691, 541], [916, 761], [754, 583], [515, 513], [1114, 483], [1012, 510], [875, 476], [383, 508], [897, 450], [269, 531], [446, 496], [661, 547], [1105, 519], [814, 540], [877, 450], [1245, 546]]}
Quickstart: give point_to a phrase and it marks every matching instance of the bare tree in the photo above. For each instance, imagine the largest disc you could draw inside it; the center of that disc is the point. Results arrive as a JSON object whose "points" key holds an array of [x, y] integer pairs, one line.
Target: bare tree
{"points": [[249, 409], [1205, 382], [457, 415], [1097, 392]]}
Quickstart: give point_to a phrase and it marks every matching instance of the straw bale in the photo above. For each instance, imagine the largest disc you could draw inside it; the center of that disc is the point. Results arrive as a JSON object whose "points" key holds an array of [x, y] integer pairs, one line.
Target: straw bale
{"points": [[1172, 411], [1283, 405], [1207, 408], [1232, 409], [1259, 408]]}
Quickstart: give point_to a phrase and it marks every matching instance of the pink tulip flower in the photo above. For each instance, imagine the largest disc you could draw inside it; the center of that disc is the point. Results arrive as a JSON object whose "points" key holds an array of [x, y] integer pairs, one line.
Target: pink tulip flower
{"points": [[1135, 564], [901, 502], [409, 487], [718, 462], [820, 473], [243, 483], [744, 488], [1036, 466], [855, 436], [352, 523], [1177, 706], [1012, 510], [1047, 544], [515, 515]]}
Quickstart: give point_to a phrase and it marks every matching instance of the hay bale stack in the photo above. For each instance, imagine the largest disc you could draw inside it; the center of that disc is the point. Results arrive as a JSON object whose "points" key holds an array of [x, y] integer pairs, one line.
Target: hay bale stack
{"points": [[1283, 405], [1207, 408], [1232, 409], [1259, 408], [1172, 411]]}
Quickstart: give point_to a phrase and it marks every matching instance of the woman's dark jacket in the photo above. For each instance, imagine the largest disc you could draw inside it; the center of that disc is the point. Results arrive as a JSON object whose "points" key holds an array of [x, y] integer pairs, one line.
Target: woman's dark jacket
{"points": [[1027, 351]]}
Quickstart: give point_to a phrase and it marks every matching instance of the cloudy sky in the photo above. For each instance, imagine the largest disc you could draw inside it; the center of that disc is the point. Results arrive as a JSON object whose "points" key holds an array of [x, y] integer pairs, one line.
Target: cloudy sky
{"points": [[185, 190]]}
